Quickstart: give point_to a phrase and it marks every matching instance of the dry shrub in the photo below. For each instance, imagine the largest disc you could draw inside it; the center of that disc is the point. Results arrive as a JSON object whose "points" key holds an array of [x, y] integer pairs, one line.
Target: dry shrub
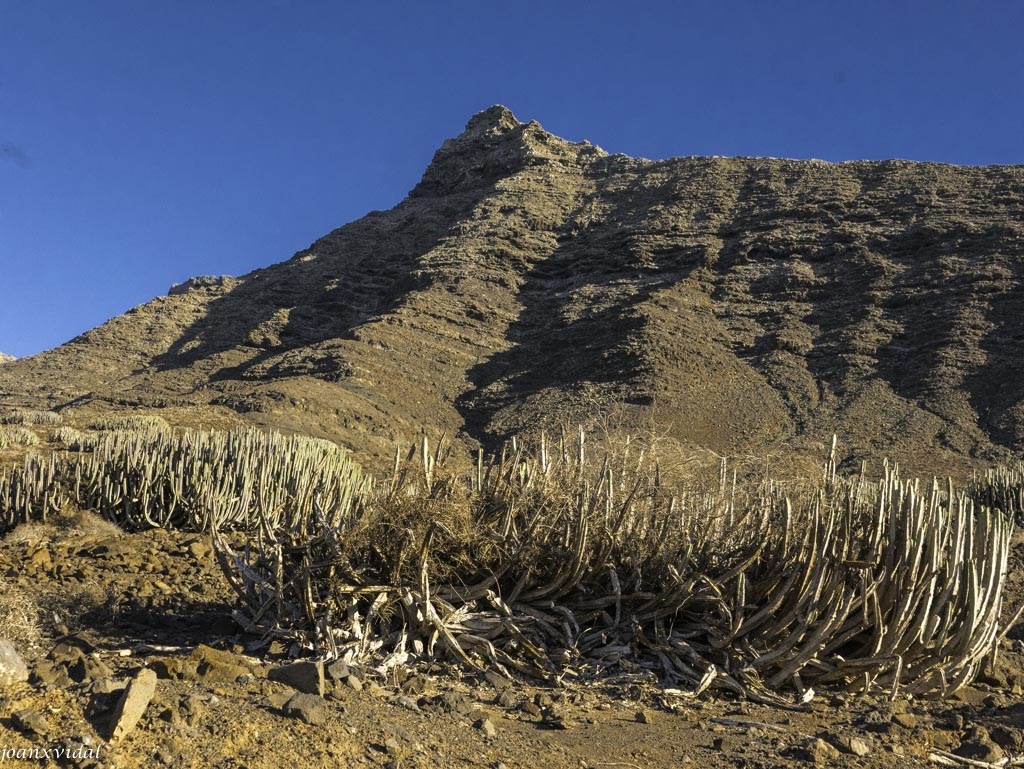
{"points": [[78, 523], [26, 619], [79, 608], [71, 522], [19, 617], [32, 531]]}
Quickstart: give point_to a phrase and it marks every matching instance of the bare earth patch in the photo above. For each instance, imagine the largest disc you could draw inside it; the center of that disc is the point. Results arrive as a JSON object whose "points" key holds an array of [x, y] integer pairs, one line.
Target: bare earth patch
{"points": [[160, 602]]}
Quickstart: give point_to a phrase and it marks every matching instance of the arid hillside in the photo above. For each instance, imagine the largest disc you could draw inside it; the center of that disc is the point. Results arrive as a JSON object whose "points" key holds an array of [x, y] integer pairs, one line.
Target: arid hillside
{"points": [[750, 306]]}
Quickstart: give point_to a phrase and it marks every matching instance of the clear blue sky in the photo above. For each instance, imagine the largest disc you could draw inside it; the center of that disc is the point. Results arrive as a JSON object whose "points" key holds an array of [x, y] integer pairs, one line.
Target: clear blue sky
{"points": [[145, 142]]}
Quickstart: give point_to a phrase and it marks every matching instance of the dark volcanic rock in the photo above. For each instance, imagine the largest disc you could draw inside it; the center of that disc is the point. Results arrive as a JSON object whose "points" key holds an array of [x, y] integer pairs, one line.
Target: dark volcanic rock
{"points": [[305, 676], [978, 745], [740, 304], [309, 707]]}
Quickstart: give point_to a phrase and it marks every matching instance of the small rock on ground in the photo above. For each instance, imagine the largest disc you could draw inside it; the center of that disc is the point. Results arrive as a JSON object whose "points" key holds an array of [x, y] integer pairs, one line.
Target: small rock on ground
{"points": [[311, 708], [821, 752], [858, 747], [12, 666], [978, 745], [487, 727], [304, 676], [31, 721], [133, 703]]}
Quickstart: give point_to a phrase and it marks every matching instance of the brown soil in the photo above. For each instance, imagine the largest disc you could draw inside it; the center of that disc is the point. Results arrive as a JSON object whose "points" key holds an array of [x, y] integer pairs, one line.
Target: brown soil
{"points": [[158, 599]]}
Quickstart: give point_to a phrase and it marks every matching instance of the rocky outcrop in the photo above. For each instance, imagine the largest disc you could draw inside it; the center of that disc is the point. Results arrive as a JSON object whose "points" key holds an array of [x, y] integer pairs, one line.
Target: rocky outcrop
{"points": [[751, 306], [5, 358]]}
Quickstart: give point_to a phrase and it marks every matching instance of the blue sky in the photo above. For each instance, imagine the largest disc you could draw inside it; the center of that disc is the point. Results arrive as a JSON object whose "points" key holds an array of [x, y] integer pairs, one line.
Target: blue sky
{"points": [[145, 142]]}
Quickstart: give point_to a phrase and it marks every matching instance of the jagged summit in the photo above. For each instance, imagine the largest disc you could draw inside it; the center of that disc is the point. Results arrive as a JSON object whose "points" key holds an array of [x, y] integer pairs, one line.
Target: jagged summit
{"points": [[496, 145], [746, 305], [496, 119]]}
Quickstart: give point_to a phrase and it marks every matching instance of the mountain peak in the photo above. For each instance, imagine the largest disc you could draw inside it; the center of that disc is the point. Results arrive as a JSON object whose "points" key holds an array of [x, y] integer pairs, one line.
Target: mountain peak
{"points": [[489, 148], [495, 145], [4, 358], [493, 120]]}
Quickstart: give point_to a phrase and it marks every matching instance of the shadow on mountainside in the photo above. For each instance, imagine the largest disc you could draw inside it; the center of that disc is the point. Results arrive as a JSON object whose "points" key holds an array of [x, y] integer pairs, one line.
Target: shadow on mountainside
{"points": [[996, 387], [580, 332], [360, 271]]}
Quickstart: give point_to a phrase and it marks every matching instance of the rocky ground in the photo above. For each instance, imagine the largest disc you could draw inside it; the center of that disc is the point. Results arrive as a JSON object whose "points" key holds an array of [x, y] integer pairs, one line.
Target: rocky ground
{"points": [[92, 610]]}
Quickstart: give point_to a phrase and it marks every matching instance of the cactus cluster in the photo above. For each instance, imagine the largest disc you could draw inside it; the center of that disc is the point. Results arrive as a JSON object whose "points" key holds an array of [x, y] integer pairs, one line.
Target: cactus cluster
{"points": [[74, 439], [190, 480], [17, 436], [32, 491], [578, 566], [31, 417], [1002, 488], [130, 422], [560, 558]]}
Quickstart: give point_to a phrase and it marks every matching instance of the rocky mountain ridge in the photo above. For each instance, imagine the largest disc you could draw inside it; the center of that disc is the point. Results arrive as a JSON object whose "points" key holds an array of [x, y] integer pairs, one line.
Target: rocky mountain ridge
{"points": [[750, 306], [5, 358]]}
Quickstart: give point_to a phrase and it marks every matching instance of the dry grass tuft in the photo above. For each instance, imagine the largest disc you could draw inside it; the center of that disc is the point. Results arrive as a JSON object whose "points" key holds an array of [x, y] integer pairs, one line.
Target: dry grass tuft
{"points": [[19, 618]]}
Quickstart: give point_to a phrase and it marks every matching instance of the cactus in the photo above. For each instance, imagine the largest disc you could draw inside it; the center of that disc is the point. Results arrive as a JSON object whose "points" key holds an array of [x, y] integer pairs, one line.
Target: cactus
{"points": [[74, 440], [194, 480], [558, 560], [31, 417], [130, 422], [566, 558], [32, 491], [17, 436], [1001, 488]]}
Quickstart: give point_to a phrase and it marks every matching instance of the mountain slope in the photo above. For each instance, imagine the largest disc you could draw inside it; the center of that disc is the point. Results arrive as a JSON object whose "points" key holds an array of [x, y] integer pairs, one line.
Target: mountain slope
{"points": [[751, 306]]}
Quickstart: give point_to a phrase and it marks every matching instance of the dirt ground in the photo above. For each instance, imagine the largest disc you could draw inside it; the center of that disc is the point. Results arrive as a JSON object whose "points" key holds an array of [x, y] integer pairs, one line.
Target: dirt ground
{"points": [[113, 604]]}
